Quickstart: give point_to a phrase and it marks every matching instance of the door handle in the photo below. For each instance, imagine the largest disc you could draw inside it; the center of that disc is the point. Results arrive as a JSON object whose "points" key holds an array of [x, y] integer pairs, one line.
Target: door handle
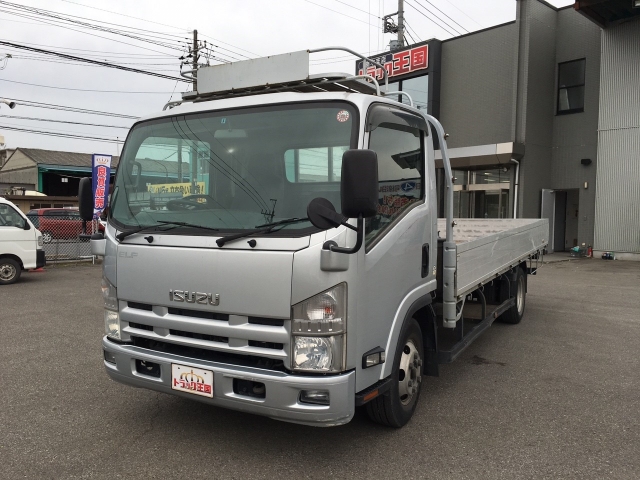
{"points": [[425, 260]]}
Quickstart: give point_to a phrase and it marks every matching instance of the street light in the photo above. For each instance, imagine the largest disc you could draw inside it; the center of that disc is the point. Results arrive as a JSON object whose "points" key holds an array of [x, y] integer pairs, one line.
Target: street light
{"points": [[11, 104]]}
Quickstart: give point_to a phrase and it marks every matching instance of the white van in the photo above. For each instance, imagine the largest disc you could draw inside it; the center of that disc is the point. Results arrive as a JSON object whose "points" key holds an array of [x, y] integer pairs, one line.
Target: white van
{"points": [[20, 243]]}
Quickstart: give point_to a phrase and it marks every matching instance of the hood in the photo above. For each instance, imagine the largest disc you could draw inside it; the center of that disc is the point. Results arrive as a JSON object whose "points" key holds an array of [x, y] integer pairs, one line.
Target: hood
{"points": [[248, 282]]}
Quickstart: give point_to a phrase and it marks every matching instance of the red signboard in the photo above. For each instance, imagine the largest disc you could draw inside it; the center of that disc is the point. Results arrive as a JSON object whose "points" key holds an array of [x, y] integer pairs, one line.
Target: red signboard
{"points": [[397, 63]]}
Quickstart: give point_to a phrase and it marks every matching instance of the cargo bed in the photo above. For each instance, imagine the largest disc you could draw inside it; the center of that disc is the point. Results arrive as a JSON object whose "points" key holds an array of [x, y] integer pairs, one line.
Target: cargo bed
{"points": [[487, 248]]}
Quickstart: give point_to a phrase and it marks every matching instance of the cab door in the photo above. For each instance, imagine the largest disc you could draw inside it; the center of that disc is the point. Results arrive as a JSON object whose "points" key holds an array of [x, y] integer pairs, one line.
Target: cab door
{"points": [[398, 256], [14, 239]]}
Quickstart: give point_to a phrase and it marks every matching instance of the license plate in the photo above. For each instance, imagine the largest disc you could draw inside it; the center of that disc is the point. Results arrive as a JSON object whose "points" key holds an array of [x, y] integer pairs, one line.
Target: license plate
{"points": [[192, 380]]}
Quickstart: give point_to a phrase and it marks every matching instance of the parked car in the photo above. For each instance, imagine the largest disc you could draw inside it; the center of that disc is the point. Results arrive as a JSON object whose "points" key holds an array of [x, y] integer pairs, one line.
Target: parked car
{"points": [[20, 243], [59, 223]]}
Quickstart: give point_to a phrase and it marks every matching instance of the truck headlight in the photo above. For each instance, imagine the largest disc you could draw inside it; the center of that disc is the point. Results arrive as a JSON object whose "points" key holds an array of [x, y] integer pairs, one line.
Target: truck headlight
{"points": [[318, 329], [111, 316], [39, 240]]}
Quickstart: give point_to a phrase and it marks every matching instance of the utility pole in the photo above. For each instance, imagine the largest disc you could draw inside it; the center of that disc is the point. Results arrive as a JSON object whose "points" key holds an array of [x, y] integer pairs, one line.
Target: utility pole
{"points": [[195, 60], [400, 23]]}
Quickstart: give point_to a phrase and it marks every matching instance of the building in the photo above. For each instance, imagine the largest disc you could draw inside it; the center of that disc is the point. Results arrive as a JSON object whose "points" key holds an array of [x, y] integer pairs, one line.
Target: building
{"points": [[47, 171], [521, 103], [617, 216]]}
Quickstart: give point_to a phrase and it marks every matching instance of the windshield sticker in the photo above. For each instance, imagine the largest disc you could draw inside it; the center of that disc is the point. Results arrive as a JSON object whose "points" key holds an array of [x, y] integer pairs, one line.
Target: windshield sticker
{"points": [[343, 116]]}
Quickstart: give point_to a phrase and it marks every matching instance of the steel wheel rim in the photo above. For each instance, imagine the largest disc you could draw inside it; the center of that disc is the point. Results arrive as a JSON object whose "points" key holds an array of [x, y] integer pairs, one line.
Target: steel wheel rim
{"points": [[7, 272], [410, 373], [520, 295]]}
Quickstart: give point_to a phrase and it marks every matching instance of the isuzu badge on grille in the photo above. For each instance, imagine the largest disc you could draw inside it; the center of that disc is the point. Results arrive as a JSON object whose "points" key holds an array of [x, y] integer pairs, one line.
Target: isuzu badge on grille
{"points": [[194, 297]]}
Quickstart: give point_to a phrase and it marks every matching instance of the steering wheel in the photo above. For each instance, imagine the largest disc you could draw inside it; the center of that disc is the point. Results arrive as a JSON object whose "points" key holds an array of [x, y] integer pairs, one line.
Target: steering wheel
{"points": [[190, 202]]}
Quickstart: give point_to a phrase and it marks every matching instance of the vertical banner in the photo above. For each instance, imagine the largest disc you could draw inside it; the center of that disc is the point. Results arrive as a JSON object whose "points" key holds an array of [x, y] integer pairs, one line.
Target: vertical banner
{"points": [[100, 174]]}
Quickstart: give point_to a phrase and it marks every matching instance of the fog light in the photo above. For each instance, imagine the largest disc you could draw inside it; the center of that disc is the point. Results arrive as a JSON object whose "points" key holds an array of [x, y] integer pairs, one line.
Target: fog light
{"points": [[109, 357], [373, 357], [314, 397]]}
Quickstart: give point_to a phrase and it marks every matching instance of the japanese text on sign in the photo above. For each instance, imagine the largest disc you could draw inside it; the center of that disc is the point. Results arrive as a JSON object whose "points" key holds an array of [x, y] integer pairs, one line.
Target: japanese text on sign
{"points": [[397, 63]]}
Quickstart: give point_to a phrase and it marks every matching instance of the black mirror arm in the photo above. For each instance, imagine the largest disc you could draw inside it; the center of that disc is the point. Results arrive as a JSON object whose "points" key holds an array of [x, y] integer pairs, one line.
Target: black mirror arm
{"points": [[330, 245]]}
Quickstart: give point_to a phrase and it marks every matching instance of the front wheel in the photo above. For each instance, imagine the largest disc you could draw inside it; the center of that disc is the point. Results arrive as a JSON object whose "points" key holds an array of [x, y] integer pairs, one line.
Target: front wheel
{"points": [[395, 408], [9, 271]]}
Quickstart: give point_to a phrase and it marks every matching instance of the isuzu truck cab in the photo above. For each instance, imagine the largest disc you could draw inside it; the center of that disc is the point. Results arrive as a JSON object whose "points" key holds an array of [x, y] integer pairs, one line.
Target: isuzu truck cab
{"points": [[273, 246]]}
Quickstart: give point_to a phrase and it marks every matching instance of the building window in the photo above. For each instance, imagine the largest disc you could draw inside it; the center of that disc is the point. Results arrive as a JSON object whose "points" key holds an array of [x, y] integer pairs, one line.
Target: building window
{"points": [[571, 86]]}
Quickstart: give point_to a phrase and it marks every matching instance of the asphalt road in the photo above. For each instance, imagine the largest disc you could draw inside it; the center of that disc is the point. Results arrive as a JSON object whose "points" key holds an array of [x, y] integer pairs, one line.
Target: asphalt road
{"points": [[557, 396]]}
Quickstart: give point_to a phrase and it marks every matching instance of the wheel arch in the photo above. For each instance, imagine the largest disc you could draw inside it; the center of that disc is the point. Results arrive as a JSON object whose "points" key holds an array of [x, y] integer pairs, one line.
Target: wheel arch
{"points": [[14, 257], [422, 310]]}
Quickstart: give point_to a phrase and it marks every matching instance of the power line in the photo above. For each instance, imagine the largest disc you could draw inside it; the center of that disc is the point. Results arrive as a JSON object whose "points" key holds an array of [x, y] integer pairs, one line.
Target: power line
{"points": [[339, 13], [96, 52], [412, 29], [463, 12], [95, 62], [64, 121], [430, 19], [154, 39], [440, 19], [44, 22], [162, 24], [63, 135], [434, 6], [64, 108], [79, 89], [62, 62], [359, 9]]}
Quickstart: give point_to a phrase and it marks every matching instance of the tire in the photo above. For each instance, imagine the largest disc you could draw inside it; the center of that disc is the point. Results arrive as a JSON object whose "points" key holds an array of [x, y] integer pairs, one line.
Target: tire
{"points": [[516, 312], [47, 237], [395, 408], [10, 271]]}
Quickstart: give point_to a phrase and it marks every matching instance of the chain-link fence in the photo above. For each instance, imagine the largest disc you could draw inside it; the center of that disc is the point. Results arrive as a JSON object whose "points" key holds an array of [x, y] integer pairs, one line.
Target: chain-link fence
{"points": [[61, 235]]}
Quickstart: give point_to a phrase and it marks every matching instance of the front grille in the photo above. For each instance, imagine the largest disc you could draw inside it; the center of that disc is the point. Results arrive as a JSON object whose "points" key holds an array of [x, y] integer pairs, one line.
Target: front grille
{"points": [[199, 314], [271, 345], [252, 341], [140, 326], [140, 306], [209, 355], [274, 322], [199, 336]]}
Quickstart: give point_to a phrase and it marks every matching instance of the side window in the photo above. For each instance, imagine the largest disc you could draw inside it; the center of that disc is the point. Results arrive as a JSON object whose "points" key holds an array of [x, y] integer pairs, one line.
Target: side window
{"points": [[314, 164], [10, 218], [400, 173]]}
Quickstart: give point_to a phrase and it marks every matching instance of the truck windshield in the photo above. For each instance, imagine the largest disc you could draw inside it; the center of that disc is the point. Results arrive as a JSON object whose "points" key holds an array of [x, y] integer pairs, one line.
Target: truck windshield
{"points": [[234, 170]]}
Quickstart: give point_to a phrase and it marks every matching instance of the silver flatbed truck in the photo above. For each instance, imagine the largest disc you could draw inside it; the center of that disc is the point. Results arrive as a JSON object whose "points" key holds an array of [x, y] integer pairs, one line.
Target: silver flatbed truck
{"points": [[229, 277]]}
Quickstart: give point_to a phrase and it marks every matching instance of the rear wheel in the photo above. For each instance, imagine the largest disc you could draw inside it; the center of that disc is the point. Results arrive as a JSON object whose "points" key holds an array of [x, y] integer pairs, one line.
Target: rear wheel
{"points": [[10, 271], [47, 237], [395, 408], [516, 312]]}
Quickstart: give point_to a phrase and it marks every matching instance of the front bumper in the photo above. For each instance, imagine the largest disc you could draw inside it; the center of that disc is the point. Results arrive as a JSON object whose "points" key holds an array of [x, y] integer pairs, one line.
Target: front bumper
{"points": [[40, 259], [282, 390]]}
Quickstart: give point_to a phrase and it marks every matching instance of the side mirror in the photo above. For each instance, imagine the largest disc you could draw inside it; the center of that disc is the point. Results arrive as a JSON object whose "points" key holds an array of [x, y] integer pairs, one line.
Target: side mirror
{"points": [[359, 183], [85, 199], [26, 226], [359, 194]]}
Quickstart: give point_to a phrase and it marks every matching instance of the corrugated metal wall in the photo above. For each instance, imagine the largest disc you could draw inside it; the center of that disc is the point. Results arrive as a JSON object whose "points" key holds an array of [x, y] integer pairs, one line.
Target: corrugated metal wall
{"points": [[617, 226]]}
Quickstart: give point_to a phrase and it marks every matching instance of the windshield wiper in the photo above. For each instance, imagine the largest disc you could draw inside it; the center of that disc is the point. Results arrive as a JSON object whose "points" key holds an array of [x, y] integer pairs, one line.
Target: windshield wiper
{"points": [[122, 235], [265, 228]]}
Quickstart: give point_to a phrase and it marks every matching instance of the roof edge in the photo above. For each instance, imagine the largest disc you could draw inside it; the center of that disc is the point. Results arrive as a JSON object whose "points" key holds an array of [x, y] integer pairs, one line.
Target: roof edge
{"points": [[480, 31]]}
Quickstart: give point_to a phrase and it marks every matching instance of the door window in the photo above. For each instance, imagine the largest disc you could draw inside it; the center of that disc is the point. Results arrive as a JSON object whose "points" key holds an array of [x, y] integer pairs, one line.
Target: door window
{"points": [[9, 217], [400, 174]]}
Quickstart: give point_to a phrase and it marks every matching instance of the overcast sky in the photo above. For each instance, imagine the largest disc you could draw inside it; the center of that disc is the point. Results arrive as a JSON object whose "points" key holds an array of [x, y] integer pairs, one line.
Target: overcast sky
{"points": [[238, 28]]}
